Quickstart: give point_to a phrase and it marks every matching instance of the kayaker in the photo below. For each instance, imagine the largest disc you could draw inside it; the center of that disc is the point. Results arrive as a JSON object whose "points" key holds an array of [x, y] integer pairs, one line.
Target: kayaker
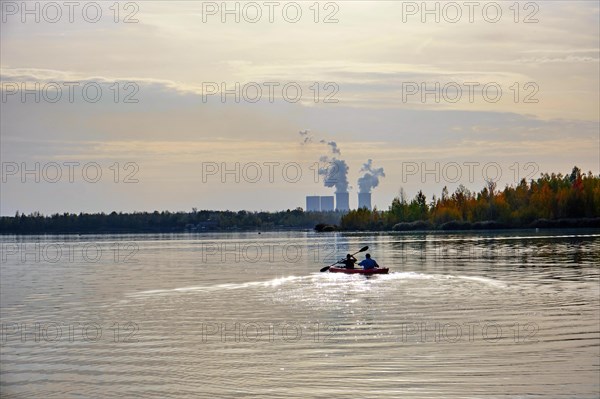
{"points": [[349, 262], [368, 263]]}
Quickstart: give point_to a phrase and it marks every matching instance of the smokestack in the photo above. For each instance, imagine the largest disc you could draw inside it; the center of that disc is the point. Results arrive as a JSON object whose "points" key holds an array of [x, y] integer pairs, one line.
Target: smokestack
{"points": [[342, 202], [364, 200]]}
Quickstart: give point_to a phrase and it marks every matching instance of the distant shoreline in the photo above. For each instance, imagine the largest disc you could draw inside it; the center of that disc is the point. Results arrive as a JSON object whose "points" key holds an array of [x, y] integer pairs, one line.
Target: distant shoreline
{"points": [[560, 224], [553, 201]]}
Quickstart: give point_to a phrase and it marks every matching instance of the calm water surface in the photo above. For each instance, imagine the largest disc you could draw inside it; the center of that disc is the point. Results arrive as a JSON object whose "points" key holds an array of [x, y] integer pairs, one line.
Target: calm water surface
{"points": [[507, 314]]}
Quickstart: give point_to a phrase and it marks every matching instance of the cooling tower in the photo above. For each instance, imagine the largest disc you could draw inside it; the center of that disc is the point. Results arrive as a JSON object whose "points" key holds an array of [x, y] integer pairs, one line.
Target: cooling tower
{"points": [[364, 200], [342, 202]]}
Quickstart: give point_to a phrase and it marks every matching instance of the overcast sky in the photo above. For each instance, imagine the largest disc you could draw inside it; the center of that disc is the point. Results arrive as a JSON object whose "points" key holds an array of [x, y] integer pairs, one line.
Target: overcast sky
{"points": [[161, 134]]}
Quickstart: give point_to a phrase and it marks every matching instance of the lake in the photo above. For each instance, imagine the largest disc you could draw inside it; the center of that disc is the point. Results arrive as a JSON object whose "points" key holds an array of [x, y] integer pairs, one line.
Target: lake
{"points": [[229, 315]]}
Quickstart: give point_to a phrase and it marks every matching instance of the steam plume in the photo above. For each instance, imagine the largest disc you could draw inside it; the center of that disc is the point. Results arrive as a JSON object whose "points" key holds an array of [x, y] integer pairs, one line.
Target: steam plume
{"points": [[335, 171], [370, 179], [334, 147], [306, 137], [335, 174]]}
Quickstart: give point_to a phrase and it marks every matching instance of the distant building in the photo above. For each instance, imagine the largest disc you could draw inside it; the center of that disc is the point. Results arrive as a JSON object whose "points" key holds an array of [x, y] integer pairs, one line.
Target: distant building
{"points": [[313, 203], [364, 200], [327, 204], [342, 202]]}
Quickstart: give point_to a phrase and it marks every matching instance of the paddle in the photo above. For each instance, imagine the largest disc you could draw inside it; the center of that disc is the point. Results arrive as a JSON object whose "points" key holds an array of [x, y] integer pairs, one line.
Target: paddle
{"points": [[363, 249]]}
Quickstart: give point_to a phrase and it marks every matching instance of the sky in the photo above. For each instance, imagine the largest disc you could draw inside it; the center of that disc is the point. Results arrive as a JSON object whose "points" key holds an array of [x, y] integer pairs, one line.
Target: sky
{"points": [[144, 106]]}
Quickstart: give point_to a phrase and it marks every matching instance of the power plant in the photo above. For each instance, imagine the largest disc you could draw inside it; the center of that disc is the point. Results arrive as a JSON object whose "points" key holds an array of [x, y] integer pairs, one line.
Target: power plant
{"points": [[334, 172], [315, 203]]}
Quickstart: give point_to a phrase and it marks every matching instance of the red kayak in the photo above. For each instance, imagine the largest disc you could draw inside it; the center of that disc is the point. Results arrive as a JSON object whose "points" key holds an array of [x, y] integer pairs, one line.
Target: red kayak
{"points": [[383, 270]]}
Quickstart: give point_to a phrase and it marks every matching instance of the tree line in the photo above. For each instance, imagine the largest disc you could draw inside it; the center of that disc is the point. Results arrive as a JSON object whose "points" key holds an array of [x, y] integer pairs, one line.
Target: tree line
{"points": [[555, 200], [165, 221]]}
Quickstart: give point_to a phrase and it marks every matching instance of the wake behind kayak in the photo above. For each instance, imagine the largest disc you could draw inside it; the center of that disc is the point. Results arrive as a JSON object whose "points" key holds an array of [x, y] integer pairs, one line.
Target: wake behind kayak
{"points": [[383, 270]]}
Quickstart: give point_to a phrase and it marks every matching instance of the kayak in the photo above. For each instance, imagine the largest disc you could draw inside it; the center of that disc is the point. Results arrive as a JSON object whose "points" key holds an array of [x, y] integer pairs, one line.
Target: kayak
{"points": [[383, 270]]}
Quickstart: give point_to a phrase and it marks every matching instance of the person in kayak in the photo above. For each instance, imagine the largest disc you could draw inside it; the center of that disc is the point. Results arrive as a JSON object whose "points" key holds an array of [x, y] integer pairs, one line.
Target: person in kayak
{"points": [[368, 263], [348, 262]]}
